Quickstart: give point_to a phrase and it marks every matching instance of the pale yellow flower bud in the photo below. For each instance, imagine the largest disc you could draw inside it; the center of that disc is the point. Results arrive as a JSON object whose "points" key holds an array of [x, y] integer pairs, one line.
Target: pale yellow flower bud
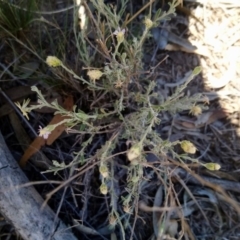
{"points": [[103, 189], [104, 171], [196, 110], [148, 23], [120, 37], [94, 74], [212, 166], [188, 147], [53, 61], [134, 151]]}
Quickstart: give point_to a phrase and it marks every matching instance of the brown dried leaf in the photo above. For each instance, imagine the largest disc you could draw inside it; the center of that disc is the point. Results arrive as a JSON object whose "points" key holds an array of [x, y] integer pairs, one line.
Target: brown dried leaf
{"points": [[17, 93], [68, 105], [210, 117], [185, 124], [40, 141], [39, 159]]}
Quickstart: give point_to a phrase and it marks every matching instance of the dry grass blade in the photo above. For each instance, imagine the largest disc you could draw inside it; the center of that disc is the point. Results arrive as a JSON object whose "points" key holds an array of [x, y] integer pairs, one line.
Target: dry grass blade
{"points": [[156, 215]]}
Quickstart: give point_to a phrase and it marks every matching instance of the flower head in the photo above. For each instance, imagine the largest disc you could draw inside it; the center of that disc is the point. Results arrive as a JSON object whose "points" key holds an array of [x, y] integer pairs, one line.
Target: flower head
{"points": [[188, 147], [53, 61], [44, 132], [94, 74], [196, 110], [119, 34], [148, 23]]}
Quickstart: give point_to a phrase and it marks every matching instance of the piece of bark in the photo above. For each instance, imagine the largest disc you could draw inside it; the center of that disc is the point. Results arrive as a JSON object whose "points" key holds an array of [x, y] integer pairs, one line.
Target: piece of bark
{"points": [[39, 159], [21, 206]]}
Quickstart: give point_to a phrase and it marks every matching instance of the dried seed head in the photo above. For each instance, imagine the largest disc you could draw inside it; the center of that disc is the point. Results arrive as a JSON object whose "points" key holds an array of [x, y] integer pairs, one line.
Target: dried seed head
{"points": [[188, 147], [24, 109]]}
